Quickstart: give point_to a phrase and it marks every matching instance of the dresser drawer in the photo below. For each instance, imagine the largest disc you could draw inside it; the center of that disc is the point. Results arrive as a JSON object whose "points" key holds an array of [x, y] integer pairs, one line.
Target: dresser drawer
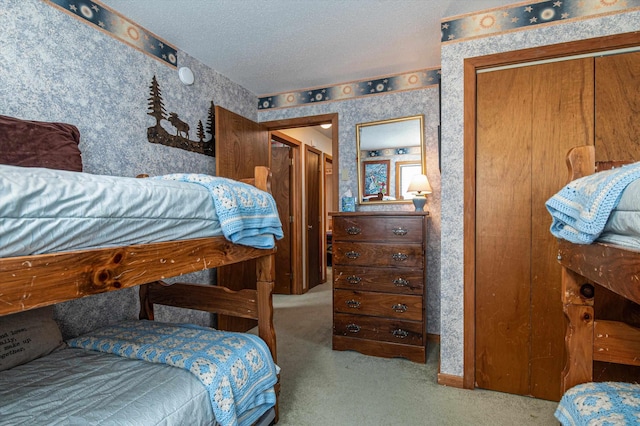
{"points": [[372, 254], [382, 329], [400, 306], [389, 280], [372, 228]]}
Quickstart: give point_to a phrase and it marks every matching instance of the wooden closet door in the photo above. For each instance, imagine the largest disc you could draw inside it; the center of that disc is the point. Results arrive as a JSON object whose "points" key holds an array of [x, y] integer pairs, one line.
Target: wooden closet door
{"points": [[617, 107], [563, 118], [503, 230], [527, 119]]}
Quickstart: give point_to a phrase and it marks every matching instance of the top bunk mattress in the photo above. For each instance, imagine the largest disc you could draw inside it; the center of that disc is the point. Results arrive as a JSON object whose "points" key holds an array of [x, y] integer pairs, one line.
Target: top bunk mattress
{"points": [[45, 211], [602, 207], [623, 226]]}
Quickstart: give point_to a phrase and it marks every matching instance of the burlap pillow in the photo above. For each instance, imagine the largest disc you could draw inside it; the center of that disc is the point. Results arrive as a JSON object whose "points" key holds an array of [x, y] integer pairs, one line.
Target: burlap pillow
{"points": [[26, 336]]}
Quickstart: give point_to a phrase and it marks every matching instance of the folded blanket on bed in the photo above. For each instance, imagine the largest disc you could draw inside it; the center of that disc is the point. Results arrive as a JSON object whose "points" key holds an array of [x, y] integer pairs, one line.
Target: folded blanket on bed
{"points": [[247, 215], [581, 209], [236, 368], [606, 403]]}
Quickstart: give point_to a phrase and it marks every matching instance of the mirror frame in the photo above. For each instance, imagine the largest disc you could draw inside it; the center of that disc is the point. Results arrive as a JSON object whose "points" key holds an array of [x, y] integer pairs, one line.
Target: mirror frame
{"points": [[391, 166]]}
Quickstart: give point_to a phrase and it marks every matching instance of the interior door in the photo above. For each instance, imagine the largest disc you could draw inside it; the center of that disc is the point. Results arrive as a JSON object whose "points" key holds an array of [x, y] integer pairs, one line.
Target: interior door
{"points": [[281, 168], [241, 144], [527, 120], [315, 232]]}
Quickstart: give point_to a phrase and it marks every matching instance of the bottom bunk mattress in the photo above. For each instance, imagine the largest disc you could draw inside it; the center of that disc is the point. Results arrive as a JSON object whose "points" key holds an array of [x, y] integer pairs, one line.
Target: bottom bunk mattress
{"points": [[606, 403], [77, 386]]}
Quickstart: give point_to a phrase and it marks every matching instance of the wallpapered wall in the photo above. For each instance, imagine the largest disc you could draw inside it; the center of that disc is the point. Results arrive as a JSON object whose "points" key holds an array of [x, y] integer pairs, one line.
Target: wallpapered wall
{"points": [[453, 55], [382, 107], [55, 68]]}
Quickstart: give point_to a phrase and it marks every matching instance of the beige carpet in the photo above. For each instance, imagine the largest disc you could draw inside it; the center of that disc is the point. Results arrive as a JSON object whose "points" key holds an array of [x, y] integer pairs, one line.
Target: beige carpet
{"points": [[325, 387]]}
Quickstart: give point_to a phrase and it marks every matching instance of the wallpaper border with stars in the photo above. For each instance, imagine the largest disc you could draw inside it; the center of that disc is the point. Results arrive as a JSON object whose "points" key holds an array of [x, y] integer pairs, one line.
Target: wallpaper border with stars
{"points": [[527, 15], [356, 89], [119, 27]]}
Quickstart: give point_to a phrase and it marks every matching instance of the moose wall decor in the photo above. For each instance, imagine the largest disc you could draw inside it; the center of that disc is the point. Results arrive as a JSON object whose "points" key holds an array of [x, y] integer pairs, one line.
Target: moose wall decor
{"points": [[158, 134]]}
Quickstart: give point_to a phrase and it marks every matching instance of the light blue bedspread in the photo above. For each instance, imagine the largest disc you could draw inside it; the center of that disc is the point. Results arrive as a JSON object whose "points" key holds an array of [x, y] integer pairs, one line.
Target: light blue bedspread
{"points": [[247, 215], [236, 368], [581, 209], [606, 403]]}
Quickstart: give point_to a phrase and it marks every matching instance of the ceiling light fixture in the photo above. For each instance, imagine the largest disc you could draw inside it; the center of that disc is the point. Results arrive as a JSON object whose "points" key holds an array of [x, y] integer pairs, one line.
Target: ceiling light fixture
{"points": [[326, 126]]}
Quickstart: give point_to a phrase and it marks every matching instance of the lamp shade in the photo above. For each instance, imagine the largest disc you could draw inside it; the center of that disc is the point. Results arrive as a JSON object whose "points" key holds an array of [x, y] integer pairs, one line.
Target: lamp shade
{"points": [[420, 185]]}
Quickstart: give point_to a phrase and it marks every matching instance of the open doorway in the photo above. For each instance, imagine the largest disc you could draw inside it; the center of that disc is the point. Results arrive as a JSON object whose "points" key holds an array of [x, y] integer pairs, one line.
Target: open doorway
{"points": [[296, 143]]}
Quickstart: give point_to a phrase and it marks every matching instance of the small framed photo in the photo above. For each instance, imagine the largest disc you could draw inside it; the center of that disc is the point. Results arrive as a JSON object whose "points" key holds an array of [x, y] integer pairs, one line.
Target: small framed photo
{"points": [[375, 177]]}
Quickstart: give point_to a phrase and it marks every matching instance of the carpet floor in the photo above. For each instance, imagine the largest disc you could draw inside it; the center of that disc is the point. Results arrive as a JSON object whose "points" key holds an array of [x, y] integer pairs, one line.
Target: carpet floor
{"points": [[321, 386]]}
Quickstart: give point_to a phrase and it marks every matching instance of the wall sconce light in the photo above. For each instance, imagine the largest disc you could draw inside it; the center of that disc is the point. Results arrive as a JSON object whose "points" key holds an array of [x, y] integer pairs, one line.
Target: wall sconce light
{"points": [[186, 76], [420, 185], [326, 126]]}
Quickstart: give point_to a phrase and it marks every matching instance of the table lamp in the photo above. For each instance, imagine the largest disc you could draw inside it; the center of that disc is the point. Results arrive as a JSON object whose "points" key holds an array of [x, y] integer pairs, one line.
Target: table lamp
{"points": [[420, 185]]}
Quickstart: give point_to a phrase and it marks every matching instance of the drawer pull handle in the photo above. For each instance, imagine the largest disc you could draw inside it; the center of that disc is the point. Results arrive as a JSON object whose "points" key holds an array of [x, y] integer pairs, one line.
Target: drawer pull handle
{"points": [[352, 303], [400, 231], [353, 328], [352, 254], [400, 257], [353, 230], [401, 282], [353, 279], [399, 308], [400, 333]]}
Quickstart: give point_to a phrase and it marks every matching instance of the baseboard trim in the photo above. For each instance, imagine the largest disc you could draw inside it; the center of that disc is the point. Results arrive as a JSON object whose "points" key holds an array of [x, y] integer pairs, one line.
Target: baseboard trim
{"points": [[433, 337], [449, 380]]}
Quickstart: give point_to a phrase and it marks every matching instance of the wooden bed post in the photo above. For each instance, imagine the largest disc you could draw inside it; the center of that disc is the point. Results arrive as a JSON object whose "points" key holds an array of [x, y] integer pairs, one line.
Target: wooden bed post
{"points": [[579, 336], [577, 297], [265, 273]]}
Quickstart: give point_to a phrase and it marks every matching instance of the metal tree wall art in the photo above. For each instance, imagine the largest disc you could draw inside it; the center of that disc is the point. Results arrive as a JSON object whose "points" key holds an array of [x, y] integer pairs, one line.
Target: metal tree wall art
{"points": [[158, 134]]}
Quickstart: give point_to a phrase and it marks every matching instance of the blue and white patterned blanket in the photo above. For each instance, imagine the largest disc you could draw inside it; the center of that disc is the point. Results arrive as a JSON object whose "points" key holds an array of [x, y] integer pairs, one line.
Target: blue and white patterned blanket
{"points": [[247, 215], [236, 368], [606, 403], [581, 209]]}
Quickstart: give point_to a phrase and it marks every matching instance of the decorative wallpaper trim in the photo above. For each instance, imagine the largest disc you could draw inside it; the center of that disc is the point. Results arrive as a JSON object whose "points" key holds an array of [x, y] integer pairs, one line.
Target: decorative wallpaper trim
{"points": [[527, 15], [119, 27], [357, 89]]}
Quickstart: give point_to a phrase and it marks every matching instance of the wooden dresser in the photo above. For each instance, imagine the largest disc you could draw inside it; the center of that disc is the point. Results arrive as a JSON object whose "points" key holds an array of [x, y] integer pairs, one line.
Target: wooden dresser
{"points": [[379, 283]]}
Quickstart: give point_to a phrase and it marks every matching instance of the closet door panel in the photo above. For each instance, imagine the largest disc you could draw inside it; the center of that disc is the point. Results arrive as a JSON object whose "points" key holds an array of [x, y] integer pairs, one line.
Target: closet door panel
{"points": [[617, 107], [562, 118], [503, 230]]}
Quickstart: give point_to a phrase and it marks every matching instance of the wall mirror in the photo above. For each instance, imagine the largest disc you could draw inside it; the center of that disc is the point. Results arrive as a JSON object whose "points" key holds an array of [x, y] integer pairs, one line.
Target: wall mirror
{"points": [[390, 153]]}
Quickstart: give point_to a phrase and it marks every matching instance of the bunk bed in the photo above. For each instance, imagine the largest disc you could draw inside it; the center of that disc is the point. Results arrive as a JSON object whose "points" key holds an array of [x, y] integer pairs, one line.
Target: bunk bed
{"points": [[92, 387], [609, 258]]}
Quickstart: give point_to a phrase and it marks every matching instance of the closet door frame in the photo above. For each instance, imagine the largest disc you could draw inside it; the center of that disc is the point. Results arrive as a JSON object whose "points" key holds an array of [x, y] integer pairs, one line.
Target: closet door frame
{"points": [[471, 66]]}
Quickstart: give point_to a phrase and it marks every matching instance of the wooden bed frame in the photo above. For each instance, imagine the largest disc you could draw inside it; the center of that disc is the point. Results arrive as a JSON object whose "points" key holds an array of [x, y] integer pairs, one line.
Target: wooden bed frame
{"points": [[28, 282], [615, 268]]}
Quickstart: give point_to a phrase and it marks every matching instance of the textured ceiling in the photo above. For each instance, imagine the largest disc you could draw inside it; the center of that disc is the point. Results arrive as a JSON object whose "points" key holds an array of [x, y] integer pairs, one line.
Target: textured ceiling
{"points": [[274, 46]]}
